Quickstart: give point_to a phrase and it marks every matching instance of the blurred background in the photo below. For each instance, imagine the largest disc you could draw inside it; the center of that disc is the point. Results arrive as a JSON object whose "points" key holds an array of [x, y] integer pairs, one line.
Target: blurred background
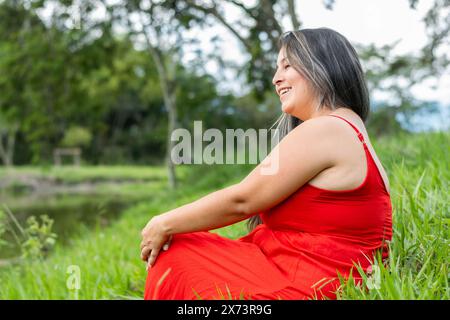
{"points": [[90, 92]]}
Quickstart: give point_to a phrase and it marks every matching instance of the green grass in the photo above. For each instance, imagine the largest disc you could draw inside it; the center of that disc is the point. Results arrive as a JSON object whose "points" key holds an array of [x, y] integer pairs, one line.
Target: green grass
{"points": [[109, 262], [108, 259], [71, 174]]}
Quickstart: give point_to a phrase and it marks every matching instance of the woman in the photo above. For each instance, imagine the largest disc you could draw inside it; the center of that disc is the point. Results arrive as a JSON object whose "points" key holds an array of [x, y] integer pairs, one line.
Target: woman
{"points": [[325, 211]]}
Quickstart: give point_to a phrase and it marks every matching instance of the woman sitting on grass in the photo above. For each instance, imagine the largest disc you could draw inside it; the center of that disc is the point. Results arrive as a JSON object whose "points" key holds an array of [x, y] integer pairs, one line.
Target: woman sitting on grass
{"points": [[324, 211]]}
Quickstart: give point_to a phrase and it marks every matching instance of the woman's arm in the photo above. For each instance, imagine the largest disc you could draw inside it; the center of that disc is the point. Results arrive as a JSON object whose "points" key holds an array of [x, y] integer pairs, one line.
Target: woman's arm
{"points": [[301, 155], [215, 210]]}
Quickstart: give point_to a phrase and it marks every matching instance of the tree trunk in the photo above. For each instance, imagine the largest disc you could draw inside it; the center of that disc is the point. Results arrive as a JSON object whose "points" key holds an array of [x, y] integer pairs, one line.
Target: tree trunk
{"points": [[7, 150], [168, 87], [172, 112], [293, 15]]}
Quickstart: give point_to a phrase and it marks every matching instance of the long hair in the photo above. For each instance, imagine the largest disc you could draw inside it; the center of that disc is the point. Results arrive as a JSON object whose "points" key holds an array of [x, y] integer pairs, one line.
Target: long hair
{"points": [[331, 66]]}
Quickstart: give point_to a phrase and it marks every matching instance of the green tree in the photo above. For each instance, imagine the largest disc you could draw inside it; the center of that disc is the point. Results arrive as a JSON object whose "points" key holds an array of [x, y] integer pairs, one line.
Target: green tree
{"points": [[77, 137]]}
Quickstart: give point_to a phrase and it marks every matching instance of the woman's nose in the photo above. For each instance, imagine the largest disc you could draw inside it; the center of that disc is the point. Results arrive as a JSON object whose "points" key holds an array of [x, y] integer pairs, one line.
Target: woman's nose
{"points": [[276, 78]]}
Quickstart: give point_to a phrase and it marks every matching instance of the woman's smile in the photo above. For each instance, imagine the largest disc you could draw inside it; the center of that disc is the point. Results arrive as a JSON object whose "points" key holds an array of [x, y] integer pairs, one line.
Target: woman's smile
{"points": [[284, 93]]}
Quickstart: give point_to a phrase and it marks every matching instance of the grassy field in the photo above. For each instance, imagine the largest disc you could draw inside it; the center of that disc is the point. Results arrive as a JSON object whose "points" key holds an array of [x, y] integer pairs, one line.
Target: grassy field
{"points": [[108, 258], [92, 173]]}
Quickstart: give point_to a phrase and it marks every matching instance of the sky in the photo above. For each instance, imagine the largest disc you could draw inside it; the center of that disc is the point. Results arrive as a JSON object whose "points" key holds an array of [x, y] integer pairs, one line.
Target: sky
{"points": [[361, 21]]}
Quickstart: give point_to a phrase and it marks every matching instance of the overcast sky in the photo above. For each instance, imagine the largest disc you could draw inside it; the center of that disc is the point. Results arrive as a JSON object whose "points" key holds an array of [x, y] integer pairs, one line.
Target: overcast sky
{"points": [[361, 21]]}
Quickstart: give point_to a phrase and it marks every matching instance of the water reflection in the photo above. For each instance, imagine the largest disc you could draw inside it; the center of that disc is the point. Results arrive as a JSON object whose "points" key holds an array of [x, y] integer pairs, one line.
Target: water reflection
{"points": [[72, 207]]}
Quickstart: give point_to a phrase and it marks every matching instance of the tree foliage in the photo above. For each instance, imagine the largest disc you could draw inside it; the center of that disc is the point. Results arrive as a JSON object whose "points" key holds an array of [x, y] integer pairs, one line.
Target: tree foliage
{"points": [[72, 68]]}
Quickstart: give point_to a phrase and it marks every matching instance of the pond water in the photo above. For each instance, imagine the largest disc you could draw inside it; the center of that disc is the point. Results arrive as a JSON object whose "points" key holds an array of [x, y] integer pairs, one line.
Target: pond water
{"points": [[69, 212]]}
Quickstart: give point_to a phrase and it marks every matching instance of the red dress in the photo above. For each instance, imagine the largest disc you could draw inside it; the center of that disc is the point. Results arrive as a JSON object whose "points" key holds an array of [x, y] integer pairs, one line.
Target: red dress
{"points": [[295, 254]]}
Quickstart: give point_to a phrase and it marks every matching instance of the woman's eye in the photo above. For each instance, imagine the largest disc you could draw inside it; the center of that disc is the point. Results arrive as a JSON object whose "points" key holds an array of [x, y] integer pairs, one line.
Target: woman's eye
{"points": [[286, 66]]}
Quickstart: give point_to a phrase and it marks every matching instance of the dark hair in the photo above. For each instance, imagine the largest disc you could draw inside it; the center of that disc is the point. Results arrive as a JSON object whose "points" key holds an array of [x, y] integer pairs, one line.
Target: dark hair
{"points": [[330, 64]]}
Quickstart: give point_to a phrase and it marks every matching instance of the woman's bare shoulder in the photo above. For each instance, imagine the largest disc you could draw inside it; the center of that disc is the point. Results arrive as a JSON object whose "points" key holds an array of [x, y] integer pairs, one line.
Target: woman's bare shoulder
{"points": [[331, 127]]}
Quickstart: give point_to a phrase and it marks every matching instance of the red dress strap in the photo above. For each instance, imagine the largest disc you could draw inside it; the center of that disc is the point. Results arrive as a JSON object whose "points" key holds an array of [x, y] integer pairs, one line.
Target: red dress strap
{"points": [[360, 136]]}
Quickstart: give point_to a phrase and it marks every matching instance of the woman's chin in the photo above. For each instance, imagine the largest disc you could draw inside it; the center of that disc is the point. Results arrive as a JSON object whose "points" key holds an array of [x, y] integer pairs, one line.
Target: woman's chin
{"points": [[286, 108]]}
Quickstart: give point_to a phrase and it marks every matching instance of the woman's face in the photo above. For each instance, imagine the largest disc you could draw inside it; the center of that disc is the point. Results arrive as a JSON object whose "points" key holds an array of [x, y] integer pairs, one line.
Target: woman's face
{"points": [[295, 94]]}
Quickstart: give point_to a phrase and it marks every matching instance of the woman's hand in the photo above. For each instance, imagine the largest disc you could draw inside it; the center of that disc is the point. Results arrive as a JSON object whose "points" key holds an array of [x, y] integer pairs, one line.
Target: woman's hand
{"points": [[154, 237]]}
